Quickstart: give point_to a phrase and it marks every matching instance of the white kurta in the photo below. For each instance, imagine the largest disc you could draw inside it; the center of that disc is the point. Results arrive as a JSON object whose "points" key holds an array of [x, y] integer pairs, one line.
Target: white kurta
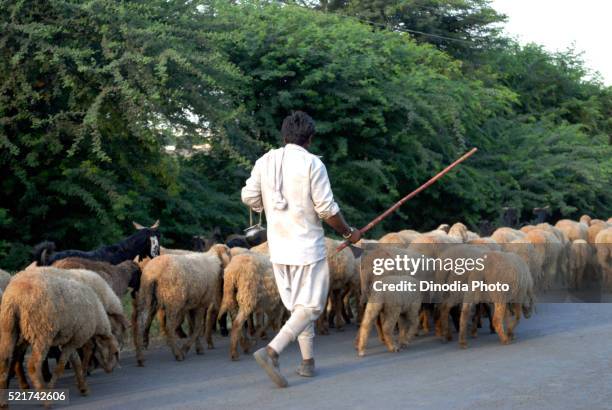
{"points": [[295, 234]]}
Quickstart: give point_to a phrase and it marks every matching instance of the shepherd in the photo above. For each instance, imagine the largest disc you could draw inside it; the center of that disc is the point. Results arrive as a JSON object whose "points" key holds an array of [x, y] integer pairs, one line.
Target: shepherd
{"points": [[291, 185]]}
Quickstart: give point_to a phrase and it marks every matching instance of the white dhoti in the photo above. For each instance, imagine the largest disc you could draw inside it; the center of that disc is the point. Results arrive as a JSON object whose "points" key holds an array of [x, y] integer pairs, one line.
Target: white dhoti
{"points": [[303, 290]]}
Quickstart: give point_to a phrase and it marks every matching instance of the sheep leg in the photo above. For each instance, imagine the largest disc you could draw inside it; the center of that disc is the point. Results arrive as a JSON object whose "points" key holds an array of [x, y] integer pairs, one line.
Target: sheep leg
{"points": [[223, 325], [498, 322], [409, 325], [19, 358], [235, 334], [424, 321], [198, 314], [88, 351], [337, 308], [171, 323], [487, 309], [466, 314], [191, 318], [251, 325], [347, 314], [211, 314], [391, 318], [379, 330], [61, 365], [445, 333], [35, 365], [369, 317], [79, 374], [516, 317], [322, 322]]}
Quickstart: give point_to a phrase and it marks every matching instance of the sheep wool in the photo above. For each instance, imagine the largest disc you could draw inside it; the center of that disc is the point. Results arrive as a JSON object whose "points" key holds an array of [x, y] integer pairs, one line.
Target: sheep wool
{"points": [[181, 286], [47, 310]]}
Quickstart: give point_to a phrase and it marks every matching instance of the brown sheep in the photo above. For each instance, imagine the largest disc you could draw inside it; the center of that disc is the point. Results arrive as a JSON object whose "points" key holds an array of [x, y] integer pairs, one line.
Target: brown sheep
{"points": [[594, 229], [394, 238], [261, 248], [585, 219], [393, 308], [502, 267], [461, 232], [534, 256], [572, 230], [42, 311], [581, 254], [507, 235], [249, 288], [181, 286], [120, 277], [555, 231], [343, 278], [551, 251], [486, 241], [603, 243]]}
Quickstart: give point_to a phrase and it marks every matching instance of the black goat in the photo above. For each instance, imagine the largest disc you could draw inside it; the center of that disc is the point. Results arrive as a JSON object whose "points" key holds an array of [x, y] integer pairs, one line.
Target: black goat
{"points": [[143, 243]]}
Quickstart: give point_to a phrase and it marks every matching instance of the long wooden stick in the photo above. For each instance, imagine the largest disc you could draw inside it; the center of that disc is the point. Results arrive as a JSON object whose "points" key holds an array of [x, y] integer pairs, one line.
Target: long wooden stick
{"points": [[411, 195]]}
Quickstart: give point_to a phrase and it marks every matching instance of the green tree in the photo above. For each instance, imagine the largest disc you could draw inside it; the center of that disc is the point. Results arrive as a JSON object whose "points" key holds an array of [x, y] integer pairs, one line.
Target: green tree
{"points": [[89, 93]]}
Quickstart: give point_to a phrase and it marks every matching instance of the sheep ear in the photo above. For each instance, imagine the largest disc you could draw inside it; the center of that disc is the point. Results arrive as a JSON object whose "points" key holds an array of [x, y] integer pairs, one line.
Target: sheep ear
{"points": [[155, 225], [137, 225]]}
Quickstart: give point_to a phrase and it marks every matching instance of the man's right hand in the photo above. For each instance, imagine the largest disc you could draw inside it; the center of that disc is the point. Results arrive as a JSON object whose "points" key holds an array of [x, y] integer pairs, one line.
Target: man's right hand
{"points": [[355, 236]]}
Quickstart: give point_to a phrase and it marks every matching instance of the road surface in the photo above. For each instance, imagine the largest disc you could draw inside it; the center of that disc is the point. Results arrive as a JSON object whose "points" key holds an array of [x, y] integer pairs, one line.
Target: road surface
{"points": [[562, 358]]}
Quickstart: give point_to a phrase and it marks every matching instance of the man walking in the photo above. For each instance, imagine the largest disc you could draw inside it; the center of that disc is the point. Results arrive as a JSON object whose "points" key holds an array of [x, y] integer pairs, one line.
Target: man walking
{"points": [[292, 186]]}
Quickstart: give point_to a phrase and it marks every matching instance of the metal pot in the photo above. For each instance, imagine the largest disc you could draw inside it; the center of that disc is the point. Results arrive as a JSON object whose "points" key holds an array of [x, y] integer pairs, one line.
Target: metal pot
{"points": [[256, 233]]}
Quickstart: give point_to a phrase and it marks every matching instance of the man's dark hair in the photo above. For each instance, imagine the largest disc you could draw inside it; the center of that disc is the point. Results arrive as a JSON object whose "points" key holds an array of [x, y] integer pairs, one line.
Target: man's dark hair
{"points": [[298, 128]]}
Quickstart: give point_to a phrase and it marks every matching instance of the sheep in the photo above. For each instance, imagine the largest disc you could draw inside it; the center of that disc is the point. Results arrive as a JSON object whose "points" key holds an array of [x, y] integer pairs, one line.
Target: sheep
{"points": [[549, 249], [487, 242], [400, 308], [181, 286], [261, 248], [573, 230], [343, 278], [249, 288], [431, 244], [5, 278], [502, 267], [461, 232], [585, 219], [507, 235], [170, 251], [44, 310], [444, 227], [110, 301], [394, 238], [237, 250], [594, 229], [555, 231], [533, 257], [603, 243], [458, 298], [120, 277], [581, 254], [404, 237]]}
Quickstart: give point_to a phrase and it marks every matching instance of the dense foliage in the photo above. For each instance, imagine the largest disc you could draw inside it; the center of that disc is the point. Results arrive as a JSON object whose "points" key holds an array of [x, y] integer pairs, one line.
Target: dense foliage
{"points": [[91, 92]]}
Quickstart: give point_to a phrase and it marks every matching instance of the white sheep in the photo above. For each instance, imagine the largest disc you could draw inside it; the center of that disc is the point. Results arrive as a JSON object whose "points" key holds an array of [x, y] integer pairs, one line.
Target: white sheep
{"points": [[249, 288], [42, 311], [181, 286]]}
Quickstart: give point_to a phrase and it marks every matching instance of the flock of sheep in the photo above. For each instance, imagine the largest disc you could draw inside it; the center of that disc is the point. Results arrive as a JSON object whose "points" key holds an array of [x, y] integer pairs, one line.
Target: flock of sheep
{"points": [[72, 312]]}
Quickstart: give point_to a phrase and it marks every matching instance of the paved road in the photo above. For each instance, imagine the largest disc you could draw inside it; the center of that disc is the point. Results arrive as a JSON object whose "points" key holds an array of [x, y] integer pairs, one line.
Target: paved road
{"points": [[562, 358]]}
